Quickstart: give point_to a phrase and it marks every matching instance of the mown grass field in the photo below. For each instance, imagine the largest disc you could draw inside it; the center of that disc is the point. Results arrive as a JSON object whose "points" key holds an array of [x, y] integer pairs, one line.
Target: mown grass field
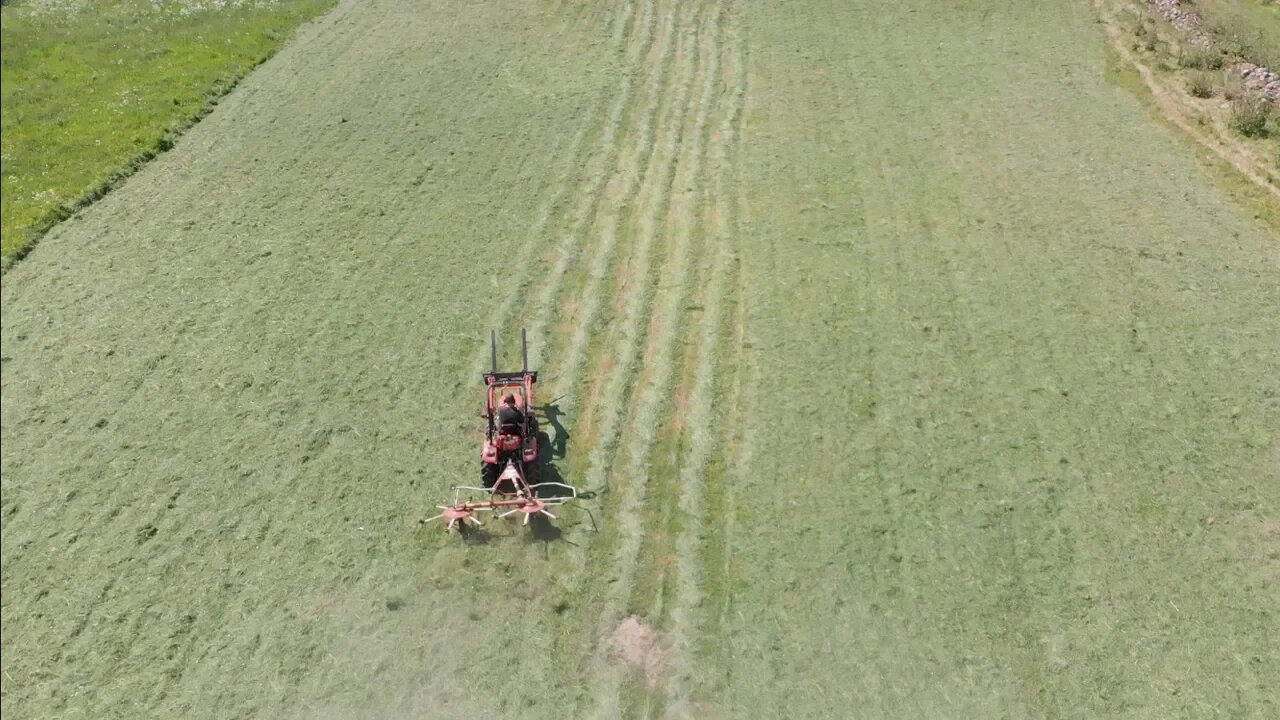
{"points": [[90, 90], [912, 369]]}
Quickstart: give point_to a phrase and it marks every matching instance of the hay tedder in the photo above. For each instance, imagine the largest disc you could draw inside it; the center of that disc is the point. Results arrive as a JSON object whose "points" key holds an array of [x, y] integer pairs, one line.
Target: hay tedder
{"points": [[510, 457]]}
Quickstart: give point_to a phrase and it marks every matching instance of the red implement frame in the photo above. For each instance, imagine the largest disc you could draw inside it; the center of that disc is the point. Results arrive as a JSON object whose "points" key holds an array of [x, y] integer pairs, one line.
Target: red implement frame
{"points": [[524, 498], [510, 491]]}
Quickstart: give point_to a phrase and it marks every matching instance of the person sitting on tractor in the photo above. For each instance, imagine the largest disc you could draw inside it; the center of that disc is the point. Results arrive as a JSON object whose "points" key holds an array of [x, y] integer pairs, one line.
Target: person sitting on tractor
{"points": [[509, 416]]}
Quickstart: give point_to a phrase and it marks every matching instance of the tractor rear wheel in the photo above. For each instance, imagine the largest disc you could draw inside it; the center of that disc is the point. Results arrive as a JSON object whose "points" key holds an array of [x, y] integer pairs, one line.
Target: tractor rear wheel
{"points": [[488, 475], [533, 474]]}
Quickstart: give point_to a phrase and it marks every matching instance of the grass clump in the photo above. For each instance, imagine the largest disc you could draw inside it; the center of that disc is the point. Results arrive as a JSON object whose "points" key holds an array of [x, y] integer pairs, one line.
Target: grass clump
{"points": [[1198, 58], [1201, 85], [1233, 88], [1249, 116], [91, 91]]}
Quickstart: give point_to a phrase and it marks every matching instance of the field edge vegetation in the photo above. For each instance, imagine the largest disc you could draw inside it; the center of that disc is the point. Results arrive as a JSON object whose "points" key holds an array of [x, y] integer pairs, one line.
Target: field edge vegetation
{"points": [[93, 92], [1192, 89]]}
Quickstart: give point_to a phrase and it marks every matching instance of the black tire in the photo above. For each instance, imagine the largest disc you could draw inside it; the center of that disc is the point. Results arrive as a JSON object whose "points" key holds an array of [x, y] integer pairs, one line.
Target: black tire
{"points": [[488, 475], [533, 474]]}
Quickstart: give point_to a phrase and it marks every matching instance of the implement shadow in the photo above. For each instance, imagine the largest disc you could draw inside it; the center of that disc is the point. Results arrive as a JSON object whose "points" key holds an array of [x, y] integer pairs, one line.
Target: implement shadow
{"points": [[539, 525], [542, 528]]}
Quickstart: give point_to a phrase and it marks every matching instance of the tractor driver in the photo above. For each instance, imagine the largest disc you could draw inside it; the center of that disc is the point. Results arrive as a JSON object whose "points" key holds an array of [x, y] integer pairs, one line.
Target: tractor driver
{"points": [[509, 416]]}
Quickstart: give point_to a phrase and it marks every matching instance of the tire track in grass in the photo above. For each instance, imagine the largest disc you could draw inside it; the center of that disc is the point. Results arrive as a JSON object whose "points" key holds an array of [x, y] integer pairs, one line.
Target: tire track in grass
{"points": [[627, 176], [585, 349], [651, 208], [716, 346], [745, 375], [642, 222], [634, 273], [631, 47], [655, 586], [658, 377], [570, 247]]}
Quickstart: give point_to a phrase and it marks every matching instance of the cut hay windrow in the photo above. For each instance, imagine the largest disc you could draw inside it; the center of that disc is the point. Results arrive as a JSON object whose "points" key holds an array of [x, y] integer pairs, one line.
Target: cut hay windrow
{"points": [[715, 333], [650, 208], [629, 52], [569, 248], [657, 143], [608, 218], [737, 445], [659, 59], [658, 371]]}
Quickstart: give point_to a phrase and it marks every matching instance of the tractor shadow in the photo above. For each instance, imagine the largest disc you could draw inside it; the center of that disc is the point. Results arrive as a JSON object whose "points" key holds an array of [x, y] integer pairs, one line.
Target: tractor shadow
{"points": [[552, 447], [559, 447]]}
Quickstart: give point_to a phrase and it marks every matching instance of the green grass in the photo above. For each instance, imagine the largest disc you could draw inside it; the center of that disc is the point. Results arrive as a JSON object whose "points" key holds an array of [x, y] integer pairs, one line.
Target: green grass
{"points": [[898, 392], [1018, 493], [92, 90]]}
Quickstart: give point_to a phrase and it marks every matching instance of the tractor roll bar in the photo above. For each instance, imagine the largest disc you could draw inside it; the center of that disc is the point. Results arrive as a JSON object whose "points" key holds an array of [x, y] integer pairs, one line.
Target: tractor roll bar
{"points": [[496, 375]]}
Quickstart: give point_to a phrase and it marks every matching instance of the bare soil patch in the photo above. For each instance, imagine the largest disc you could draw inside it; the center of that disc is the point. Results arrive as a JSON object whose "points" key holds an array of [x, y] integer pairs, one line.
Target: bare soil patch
{"points": [[635, 644]]}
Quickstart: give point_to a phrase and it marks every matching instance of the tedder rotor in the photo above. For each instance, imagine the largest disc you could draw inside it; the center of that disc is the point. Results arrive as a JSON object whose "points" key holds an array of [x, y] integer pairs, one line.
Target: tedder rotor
{"points": [[509, 457]]}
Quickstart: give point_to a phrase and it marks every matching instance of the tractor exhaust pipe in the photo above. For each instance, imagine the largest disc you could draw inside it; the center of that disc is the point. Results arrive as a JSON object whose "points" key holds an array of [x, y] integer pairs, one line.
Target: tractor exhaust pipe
{"points": [[524, 349], [493, 349]]}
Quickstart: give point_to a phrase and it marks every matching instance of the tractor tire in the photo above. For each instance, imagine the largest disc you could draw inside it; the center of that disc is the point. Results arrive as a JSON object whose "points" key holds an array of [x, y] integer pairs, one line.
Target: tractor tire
{"points": [[488, 475], [533, 474]]}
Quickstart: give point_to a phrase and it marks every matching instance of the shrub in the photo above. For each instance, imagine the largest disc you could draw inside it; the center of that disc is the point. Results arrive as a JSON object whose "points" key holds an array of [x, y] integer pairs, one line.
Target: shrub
{"points": [[1249, 116]]}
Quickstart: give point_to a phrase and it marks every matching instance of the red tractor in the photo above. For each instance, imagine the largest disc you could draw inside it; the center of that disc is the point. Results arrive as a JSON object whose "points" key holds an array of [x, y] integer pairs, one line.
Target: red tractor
{"points": [[511, 431], [509, 467]]}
